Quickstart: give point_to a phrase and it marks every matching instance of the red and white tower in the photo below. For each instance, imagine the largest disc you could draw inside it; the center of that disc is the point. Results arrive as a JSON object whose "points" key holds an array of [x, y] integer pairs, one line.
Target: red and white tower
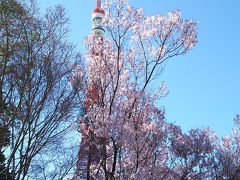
{"points": [[97, 16], [88, 154]]}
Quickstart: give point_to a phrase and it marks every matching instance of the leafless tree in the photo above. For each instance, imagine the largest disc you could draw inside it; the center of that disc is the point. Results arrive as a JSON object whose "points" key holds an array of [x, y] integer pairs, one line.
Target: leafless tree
{"points": [[36, 101]]}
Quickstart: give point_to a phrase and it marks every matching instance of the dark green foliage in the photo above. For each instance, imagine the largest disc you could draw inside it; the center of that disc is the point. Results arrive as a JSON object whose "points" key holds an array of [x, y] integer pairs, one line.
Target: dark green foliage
{"points": [[4, 142]]}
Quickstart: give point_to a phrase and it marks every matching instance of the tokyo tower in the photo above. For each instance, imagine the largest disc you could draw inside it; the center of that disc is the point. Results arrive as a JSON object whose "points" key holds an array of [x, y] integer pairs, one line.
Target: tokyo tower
{"points": [[88, 153]]}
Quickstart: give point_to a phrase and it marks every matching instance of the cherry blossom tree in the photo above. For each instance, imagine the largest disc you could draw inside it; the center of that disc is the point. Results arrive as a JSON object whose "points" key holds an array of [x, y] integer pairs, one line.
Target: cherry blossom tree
{"points": [[227, 165], [194, 154], [122, 108]]}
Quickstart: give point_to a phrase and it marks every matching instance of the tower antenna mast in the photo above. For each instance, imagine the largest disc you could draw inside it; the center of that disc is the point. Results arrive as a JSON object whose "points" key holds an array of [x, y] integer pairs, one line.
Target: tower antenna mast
{"points": [[99, 3]]}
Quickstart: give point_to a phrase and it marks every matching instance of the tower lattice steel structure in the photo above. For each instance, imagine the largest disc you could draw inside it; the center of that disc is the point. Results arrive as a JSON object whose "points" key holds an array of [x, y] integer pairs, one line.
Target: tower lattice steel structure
{"points": [[88, 153]]}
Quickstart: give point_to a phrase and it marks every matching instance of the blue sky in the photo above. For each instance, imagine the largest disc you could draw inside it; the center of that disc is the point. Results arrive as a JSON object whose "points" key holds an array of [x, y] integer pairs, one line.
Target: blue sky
{"points": [[204, 84]]}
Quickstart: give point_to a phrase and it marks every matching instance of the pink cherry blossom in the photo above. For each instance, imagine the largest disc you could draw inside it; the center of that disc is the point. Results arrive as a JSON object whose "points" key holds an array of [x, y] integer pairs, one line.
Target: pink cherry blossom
{"points": [[123, 110]]}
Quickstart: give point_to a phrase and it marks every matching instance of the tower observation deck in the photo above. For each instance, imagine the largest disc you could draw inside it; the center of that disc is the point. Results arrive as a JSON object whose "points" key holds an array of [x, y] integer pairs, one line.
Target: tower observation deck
{"points": [[97, 16]]}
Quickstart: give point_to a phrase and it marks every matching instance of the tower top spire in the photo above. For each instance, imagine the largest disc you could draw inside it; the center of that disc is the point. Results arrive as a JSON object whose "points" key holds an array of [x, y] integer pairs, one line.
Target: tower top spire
{"points": [[99, 3], [98, 9]]}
